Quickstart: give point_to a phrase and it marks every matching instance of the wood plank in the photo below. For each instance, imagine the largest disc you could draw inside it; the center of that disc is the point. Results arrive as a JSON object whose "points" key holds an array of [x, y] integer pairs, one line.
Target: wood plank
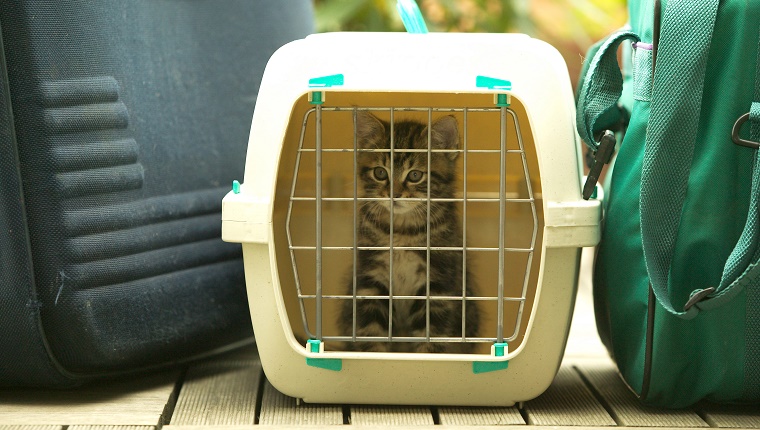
{"points": [[221, 427], [279, 409], [82, 427], [391, 416], [406, 427], [567, 402], [220, 392], [731, 416], [462, 416], [30, 427], [134, 401], [583, 341], [626, 409], [242, 351]]}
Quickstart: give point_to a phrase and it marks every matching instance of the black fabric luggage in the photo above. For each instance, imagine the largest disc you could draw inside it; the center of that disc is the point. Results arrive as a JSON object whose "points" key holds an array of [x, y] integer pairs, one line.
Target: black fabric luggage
{"points": [[122, 125]]}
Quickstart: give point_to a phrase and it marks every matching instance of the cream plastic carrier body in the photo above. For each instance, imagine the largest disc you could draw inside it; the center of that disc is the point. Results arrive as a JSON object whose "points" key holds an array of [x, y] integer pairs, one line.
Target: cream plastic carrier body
{"points": [[511, 92]]}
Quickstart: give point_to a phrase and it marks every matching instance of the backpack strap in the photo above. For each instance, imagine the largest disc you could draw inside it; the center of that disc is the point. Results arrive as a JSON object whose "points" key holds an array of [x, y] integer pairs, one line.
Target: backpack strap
{"points": [[600, 89], [743, 267], [754, 112], [687, 28], [675, 109], [598, 95]]}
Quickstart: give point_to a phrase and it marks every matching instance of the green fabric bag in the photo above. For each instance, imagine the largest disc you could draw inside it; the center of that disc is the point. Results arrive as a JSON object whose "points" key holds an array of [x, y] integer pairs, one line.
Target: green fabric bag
{"points": [[677, 277]]}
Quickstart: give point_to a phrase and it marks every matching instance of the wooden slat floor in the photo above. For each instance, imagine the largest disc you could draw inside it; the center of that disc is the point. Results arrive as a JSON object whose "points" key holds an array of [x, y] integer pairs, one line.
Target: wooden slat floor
{"points": [[230, 392]]}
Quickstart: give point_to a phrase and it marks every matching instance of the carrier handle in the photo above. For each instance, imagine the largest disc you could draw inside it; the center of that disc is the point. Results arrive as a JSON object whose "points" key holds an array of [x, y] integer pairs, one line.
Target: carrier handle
{"points": [[411, 16]]}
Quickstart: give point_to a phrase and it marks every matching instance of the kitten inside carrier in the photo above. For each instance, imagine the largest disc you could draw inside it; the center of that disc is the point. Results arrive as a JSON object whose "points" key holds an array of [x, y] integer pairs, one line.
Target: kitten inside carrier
{"points": [[408, 214], [336, 186]]}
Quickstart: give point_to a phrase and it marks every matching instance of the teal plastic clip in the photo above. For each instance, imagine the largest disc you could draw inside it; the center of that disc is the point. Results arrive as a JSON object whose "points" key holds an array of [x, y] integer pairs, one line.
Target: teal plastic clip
{"points": [[236, 186], [314, 346], [492, 83], [499, 350], [411, 16], [501, 100], [318, 97], [326, 81]]}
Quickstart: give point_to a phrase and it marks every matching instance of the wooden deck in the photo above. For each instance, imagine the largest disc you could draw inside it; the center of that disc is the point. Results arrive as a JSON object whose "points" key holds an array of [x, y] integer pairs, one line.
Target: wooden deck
{"points": [[231, 392]]}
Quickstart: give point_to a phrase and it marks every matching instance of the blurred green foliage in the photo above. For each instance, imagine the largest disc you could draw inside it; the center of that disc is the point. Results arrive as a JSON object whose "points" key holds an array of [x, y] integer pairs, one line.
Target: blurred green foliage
{"points": [[441, 15], [570, 25], [494, 16]]}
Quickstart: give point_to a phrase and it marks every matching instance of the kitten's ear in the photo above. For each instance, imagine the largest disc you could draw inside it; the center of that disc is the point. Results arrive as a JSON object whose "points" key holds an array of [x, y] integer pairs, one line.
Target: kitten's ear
{"points": [[445, 134], [369, 129]]}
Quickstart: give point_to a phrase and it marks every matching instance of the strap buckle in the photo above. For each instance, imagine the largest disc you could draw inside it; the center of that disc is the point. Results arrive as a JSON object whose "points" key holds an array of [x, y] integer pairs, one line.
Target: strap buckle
{"points": [[602, 156], [735, 133], [697, 296]]}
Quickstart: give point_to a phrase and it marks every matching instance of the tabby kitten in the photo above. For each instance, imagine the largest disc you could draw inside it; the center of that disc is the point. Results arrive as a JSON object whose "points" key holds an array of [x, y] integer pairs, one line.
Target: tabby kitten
{"points": [[411, 179]]}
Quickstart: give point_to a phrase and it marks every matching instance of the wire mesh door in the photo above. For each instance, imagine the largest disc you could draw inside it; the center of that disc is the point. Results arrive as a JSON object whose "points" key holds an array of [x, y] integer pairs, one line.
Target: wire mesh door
{"points": [[391, 303]]}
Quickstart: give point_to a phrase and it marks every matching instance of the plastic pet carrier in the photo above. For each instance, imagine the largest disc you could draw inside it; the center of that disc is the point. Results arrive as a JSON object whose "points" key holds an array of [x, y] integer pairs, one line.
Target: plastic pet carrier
{"points": [[411, 218]]}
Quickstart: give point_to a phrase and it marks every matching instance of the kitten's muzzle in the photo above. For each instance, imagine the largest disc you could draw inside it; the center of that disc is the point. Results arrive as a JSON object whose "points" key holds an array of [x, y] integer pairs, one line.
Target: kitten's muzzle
{"points": [[399, 207]]}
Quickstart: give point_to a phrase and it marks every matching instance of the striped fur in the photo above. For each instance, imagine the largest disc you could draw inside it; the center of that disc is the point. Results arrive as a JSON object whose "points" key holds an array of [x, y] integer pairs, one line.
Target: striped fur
{"points": [[410, 228]]}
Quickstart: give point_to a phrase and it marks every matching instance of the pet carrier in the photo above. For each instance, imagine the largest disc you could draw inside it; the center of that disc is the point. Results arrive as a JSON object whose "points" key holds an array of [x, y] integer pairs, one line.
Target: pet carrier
{"points": [[462, 293]]}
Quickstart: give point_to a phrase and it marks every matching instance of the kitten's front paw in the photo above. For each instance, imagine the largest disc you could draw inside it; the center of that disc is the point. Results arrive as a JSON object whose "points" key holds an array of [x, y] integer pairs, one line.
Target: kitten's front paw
{"points": [[431, 347], [371, 346], [445, 348]]}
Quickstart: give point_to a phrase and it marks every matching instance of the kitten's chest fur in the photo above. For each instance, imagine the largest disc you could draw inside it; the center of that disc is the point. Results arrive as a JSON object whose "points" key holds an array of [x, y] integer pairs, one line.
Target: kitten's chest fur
{"points": [[407, 274], [408, 269]]}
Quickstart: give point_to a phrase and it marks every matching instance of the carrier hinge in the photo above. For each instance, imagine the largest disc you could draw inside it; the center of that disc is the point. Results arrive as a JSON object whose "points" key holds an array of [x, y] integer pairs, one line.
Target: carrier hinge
{"points": [[317, 347], [498, 349], [318, 97], [500, 99]]}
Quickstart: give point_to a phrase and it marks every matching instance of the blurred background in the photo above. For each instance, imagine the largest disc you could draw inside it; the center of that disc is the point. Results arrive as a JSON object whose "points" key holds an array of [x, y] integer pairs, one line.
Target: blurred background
{"points": [[571, 26]]}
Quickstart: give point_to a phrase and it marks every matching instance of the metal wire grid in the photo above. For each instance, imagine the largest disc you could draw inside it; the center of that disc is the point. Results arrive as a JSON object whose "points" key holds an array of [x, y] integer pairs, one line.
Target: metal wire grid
{"points": [[318, 111]]}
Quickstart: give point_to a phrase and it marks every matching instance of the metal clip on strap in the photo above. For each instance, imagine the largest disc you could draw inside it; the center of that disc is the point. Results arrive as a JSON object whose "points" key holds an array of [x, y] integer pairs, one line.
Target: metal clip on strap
{"points": [[697, 296], [602, 156], [735, 133]]}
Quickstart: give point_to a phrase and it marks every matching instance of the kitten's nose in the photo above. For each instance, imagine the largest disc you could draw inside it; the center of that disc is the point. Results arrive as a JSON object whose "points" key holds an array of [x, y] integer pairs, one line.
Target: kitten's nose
{"points": [[397, 191]]}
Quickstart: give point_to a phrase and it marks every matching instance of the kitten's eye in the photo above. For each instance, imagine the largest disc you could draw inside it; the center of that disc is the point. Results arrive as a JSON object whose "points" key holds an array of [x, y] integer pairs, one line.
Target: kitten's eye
{"points": [[380, 173], [415, 176]]}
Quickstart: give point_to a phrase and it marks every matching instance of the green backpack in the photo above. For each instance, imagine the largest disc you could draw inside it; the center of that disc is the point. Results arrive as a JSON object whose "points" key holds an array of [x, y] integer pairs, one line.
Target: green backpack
{"points": [[677, 277]]}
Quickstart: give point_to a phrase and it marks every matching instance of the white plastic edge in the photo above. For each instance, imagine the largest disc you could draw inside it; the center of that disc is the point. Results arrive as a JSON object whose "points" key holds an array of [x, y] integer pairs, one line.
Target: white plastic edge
{"points": [[404, 356], [572, 224], [245, 218]]}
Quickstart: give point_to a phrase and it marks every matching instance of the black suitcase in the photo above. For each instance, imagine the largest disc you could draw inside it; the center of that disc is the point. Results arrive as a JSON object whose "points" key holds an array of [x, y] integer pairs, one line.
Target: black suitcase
{"points": [[122, 125]]}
